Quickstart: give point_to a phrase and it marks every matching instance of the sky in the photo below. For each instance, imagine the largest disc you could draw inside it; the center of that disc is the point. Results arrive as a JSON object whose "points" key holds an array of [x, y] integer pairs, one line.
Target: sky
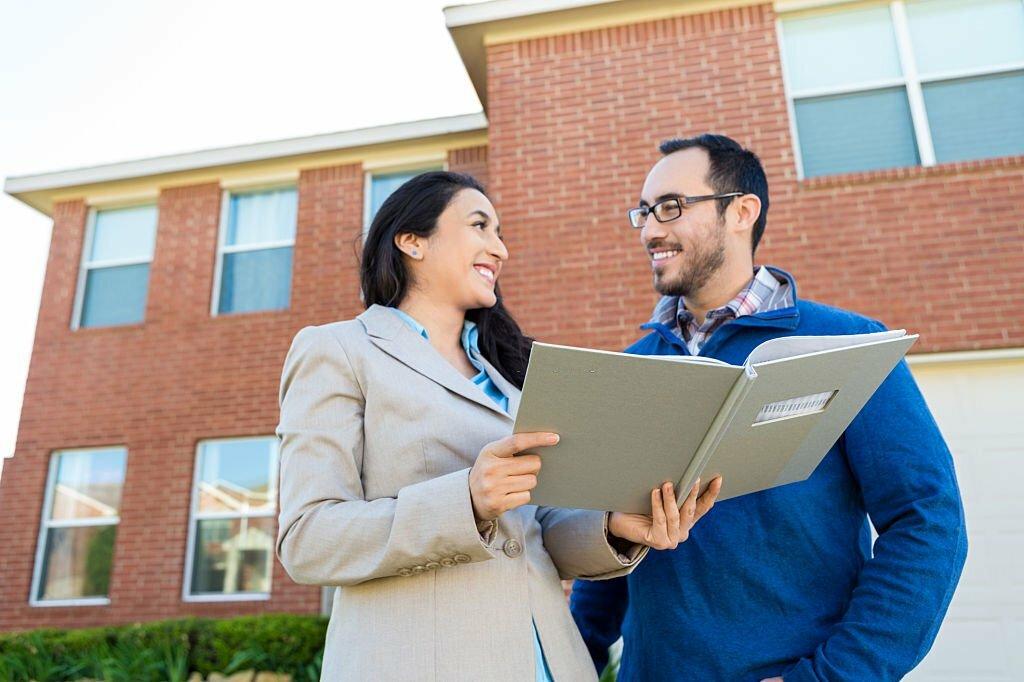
{"points": [[86, 83]]}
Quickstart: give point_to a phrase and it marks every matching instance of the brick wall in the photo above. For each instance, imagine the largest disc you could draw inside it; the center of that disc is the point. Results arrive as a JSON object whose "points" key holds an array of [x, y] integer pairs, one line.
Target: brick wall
{"points": [[574, 123], [472, 160], [160, 387]]}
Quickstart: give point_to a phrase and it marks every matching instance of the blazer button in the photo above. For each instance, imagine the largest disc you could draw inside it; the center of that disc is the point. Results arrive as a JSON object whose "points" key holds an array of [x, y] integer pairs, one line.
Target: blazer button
{"points": [[447, 562], [512, 548], [432, 565], [405, 572], [419, 569], [462, 558]]}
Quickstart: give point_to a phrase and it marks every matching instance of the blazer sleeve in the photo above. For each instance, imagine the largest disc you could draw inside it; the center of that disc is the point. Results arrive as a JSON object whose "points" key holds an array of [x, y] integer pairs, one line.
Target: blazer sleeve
{"points": [[328, 533], [577, 542]]}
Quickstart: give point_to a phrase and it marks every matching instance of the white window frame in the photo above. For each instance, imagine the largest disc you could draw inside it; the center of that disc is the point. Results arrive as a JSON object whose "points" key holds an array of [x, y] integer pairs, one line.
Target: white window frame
{"points": [[85, 265], [222, 228], [911, 81], [419, 166], [195, 516], [45, 524]]}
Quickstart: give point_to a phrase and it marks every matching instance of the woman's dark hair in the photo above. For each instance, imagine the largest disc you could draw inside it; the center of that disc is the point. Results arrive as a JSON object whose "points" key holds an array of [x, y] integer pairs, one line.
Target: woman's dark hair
{"points": [[414, 208]]}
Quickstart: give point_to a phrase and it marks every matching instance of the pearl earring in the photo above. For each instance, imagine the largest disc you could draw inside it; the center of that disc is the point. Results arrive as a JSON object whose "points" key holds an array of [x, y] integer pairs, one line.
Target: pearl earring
{"points": [[415, 253]]}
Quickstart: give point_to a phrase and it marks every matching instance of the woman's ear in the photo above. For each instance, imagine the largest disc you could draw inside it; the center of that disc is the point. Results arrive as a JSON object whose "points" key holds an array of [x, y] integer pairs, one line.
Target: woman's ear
{"points": [[410, 245]]}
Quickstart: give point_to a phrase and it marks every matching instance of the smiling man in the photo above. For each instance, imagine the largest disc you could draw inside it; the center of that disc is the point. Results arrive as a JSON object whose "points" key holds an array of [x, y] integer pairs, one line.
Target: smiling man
{"points": [[783, 583]]}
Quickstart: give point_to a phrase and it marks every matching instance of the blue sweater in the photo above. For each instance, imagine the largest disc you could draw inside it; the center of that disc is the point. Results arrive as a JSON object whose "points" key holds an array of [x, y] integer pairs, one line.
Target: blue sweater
{"points": [[783, 582]]}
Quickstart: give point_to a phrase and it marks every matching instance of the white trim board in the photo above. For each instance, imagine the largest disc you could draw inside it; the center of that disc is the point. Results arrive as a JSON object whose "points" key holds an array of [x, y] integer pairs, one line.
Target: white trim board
{"points": [[968, 356], [498, 10], [259, 151]]}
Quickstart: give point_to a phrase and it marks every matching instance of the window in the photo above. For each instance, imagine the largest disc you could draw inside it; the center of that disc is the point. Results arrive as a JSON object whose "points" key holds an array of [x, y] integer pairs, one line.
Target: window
{"points": [[232, 529], [970, 57], [114, 277], [905, 83], [381, 185], [81, 511], [254, 260]]}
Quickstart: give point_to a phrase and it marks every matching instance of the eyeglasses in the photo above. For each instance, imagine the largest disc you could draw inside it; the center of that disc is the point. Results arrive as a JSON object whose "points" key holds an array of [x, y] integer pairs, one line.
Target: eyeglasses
{"points": [[670, 209]]}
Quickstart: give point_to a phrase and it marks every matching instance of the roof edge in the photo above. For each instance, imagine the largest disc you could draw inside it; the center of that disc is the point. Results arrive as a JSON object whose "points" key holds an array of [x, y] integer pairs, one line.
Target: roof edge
{"points": [[499, 10], [259, 151]]}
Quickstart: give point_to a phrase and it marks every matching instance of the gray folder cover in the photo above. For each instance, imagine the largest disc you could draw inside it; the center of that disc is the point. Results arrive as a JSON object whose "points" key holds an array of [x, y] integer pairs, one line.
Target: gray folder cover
{"points": [[630, 422]]}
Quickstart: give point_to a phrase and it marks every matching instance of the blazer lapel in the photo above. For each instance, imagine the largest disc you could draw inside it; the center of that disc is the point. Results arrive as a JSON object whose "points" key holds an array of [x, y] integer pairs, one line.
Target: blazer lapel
{"points": [[389, 333]]}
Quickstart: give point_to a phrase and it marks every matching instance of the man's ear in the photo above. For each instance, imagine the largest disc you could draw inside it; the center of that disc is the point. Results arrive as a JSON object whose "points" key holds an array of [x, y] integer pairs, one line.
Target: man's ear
{"points": [[410, 244], [746, 209]]}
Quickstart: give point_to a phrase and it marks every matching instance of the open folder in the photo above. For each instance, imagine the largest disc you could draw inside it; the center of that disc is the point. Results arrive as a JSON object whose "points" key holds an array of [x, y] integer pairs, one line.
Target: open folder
{"points": [[628, 423]]}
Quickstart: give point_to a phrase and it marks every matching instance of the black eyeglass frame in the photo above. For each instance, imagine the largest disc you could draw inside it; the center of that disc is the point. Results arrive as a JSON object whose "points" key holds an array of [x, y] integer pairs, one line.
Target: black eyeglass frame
{"points": [[683, 201]]}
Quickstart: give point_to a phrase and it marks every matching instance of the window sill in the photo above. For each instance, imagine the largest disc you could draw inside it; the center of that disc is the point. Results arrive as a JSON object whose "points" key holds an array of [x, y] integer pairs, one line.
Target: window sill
{"points": [[248, 314], [201, 598], [910, 172], [93, 601], [108, 328]]}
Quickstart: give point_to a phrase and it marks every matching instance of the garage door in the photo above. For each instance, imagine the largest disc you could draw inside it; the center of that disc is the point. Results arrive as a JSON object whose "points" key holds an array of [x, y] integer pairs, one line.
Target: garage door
{"points": [[978, 401]]}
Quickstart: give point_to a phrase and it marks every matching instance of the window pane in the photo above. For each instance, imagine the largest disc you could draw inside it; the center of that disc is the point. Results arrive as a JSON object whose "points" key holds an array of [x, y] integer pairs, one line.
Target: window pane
{"points": [[256, 280], [232, 556], [950, 35], [124, 233], [76, 562], [88, 484], [261, 217], [115, 295], [848, 133], [976, 118], [841, 49], [235, 476], [384, 185]]}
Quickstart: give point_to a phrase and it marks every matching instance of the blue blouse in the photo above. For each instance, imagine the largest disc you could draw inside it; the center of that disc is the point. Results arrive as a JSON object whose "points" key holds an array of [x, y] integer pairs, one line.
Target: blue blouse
{"points": [[470, 342], [470, 336]]}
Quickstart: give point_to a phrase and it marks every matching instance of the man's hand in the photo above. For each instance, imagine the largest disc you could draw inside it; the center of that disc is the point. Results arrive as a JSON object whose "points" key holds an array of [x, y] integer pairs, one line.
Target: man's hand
{"points": [[669, 524]]}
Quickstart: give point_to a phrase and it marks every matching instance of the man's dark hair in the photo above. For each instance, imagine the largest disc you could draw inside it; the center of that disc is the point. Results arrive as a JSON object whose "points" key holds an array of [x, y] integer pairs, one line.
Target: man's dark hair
{"points": [[732, 169]]}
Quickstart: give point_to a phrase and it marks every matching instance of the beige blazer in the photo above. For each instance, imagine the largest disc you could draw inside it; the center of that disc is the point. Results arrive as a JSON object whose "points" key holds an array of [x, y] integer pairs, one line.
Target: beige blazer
{"points": [[378, 433]]}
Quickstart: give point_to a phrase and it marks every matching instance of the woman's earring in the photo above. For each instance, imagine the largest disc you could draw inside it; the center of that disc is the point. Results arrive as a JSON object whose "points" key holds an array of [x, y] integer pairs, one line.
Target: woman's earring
{"points": [[415, 253]]}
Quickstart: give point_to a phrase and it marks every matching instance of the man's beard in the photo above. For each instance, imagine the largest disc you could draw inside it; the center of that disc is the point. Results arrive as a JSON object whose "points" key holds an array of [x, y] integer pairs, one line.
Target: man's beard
{"points": [[704, 262]]}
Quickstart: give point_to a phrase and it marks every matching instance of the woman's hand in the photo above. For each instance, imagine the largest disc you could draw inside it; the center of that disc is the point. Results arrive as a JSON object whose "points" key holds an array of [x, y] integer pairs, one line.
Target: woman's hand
{"points": [[668, 524], [499, 480]]}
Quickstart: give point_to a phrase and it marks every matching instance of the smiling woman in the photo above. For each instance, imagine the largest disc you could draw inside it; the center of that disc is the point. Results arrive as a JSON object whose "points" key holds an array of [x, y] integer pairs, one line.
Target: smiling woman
{"points": [[400, 480], [439, 235]]}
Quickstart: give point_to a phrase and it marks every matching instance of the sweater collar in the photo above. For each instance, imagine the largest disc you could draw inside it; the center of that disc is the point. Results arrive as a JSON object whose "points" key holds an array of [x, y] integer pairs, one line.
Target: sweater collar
{"points": [[785, 317]]}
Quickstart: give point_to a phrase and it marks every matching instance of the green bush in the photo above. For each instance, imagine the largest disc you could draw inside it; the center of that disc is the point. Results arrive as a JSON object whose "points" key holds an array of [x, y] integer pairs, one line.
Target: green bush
{"points": [[167, 651]]}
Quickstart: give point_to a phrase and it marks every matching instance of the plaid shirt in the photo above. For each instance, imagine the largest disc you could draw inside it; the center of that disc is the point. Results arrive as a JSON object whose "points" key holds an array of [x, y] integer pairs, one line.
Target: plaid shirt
{"points": [[763, 293]]}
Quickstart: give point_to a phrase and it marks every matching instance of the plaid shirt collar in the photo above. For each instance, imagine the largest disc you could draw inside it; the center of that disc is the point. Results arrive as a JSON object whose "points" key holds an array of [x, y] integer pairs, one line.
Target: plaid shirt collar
{"points": [[763, 293]]}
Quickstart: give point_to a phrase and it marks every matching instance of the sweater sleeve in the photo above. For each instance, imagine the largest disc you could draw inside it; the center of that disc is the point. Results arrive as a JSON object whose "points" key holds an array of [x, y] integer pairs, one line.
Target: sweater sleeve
{"points": [[598, 608], [905, 472]]}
